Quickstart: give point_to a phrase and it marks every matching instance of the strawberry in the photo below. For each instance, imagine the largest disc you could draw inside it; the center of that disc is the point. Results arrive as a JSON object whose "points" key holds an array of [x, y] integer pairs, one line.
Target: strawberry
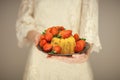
{"points": [[48, 30], [42, 42], [65, 33], [60, 28], [79, 45], [57, 49], [76, 36], [54, 31], [42, 37], [47, 47], [48, 36]]}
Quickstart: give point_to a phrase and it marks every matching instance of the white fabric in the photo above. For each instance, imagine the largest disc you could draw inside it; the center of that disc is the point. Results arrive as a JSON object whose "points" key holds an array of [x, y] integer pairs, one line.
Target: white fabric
{"points": [[89, 23], [41, 68], [79, 15]]}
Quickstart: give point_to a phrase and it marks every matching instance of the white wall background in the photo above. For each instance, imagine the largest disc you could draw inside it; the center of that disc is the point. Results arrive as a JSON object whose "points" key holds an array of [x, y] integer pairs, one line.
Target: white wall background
{"points": [[105, 65]]}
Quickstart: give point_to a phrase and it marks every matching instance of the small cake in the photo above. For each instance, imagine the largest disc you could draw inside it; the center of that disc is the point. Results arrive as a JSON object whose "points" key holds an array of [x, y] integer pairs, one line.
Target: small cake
{"points": [[66, 44]]}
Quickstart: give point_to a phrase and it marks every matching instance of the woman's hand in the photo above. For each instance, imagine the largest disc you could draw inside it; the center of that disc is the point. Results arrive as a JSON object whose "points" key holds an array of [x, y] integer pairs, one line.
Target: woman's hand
{"points": [[76, 58], [33, 36], [37, 39]]}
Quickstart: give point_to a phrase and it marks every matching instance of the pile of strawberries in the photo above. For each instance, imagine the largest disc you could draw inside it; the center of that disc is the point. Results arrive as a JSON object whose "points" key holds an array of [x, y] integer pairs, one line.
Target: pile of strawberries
{"points": [[59, 32]]}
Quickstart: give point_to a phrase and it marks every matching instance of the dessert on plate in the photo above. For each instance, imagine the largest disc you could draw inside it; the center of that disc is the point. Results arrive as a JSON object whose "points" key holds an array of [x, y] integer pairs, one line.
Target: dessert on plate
{"points": [[57, 40]]}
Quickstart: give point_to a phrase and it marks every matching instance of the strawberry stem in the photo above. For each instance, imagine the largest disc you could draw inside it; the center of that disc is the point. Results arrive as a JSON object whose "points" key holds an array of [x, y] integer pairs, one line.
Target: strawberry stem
{"points": [[44, 32], [83, 39], [58, 36], [52, 52]]}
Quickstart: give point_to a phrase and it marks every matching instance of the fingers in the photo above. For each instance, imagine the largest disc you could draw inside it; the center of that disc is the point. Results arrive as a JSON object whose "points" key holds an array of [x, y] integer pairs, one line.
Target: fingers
{"points": [[78, 55], [36, 42], [56, 57], [89, 50], [49, 56], [80, 58], [37, 38], [60, 58]]}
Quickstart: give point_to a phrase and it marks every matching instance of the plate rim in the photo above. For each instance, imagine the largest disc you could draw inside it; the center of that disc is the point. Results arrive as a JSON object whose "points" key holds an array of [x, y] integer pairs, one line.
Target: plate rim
{"points": [[87, 46]]}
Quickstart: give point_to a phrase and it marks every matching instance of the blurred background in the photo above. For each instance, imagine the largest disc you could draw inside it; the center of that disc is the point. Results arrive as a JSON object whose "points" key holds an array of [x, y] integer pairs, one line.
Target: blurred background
{"points": [[105, 64]]}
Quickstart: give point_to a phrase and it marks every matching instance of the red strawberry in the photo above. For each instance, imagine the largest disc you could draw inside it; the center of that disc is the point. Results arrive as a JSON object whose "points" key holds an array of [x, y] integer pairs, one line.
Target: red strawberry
{"points": [[42, 37], [48, 36], [48, 30], [79, 45], [65, 33], [76, 36], [57, 49], [42, 42], [60, 28], [54, 31], [47, 47]]}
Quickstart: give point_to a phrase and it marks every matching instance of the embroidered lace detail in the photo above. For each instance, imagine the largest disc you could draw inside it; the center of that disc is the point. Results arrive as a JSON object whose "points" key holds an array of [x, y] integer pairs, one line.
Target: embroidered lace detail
{"points": [[25, 21]]}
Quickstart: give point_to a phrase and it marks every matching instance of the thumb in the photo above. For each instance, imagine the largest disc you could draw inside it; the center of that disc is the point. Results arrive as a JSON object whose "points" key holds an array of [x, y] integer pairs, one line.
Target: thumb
{"points": [[37, 39]]}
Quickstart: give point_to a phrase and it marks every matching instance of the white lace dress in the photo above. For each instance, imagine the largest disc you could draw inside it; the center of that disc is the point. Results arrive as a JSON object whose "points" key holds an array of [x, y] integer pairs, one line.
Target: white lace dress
{"points": [[79, 15]]}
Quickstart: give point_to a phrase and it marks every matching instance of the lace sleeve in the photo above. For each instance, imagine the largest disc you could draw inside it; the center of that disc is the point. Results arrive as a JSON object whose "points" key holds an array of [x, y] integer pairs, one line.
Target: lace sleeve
{"points": [[89, 23], [25, 21]]}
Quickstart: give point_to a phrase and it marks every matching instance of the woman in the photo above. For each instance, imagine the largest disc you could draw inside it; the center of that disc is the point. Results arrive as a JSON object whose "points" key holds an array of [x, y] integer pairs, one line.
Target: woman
{"points": [[80, 16]]}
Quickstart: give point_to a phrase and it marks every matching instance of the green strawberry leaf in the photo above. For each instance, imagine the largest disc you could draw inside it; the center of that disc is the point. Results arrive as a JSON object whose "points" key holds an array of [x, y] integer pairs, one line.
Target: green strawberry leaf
{"points": [[52, 52], [83, 39], [44, 32], [58, 36]]}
